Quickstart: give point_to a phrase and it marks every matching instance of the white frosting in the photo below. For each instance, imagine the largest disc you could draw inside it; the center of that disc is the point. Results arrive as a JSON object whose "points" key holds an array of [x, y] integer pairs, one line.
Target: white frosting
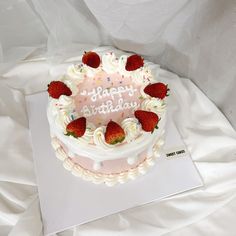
{"points": [[55, 143], [80, 70], [66, 102], [76, 72], [132, 128], [68, 164], [60, 153], [154, 104], [63, 110], [71, 154], [132, 160], [110, 63], [121, 66], [91, 72], [97, 165]]}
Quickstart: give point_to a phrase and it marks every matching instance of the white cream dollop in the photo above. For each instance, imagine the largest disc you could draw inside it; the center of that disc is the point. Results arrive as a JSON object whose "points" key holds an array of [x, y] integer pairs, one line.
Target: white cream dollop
{"points": [[121, 66], [142, 76], [64, 110], [154, 104], [62, 119], [66, 102], [132, 128], [91, 72], [109, 63], [76, 72]]}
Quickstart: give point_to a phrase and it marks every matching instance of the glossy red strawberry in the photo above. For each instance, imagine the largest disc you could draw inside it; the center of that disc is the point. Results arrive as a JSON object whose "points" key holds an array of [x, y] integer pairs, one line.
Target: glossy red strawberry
{"points": [[91, 59], [148, 120], [58, 88], [77, 127], [114, 133], [157, 90], [134, 62]]}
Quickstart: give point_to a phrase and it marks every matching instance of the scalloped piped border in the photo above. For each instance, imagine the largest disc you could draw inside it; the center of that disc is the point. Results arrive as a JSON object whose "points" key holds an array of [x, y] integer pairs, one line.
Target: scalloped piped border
{"points": [[108, 179]]}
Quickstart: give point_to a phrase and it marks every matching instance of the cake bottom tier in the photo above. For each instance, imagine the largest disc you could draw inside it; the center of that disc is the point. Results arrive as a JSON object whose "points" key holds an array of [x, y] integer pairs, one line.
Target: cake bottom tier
{"points": [[111, 172]]}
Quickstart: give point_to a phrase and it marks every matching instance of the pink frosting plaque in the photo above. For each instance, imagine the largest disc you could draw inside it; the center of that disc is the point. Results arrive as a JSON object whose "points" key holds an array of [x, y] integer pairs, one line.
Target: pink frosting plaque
{"points": [[107, 97]]}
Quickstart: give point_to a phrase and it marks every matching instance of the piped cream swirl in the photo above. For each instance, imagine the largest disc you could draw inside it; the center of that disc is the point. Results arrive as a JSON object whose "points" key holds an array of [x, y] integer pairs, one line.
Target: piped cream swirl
{"points": [[76, 71], [109, 63], [154, 104], [63, 109], [132, 128]]}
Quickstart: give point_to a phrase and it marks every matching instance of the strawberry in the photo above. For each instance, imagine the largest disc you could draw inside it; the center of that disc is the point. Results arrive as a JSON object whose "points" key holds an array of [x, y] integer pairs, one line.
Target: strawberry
{"points": [[77, 127], [157, 90], [114, 133], [91, 59], [58, 88], [148, 120], [134, 62]]}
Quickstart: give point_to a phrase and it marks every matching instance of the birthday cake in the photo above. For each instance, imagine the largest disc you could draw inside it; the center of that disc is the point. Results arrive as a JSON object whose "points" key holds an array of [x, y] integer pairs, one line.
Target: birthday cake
{"points": [[107, 117]]}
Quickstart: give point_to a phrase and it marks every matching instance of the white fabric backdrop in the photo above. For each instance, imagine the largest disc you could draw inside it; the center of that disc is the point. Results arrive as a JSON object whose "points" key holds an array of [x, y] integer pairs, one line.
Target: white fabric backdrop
{"points": [[194, 39]]}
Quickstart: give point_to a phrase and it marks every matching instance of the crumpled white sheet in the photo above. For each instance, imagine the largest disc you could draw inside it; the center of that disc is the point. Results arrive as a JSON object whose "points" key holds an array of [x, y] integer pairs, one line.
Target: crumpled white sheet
{"points": [[208, 135], [195, 39]]}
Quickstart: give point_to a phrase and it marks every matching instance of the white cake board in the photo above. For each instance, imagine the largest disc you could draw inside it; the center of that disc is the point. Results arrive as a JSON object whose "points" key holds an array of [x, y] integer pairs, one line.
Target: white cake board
{"points": [[66, 200]]}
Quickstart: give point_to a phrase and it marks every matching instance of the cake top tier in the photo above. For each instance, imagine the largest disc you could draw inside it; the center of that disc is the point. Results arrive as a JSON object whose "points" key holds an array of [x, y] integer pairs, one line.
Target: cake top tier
{"points": [[107, 101]]}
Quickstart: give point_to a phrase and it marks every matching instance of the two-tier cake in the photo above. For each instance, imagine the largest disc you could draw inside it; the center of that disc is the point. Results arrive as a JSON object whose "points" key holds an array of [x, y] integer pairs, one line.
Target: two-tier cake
{"points": [[107, 118]]}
